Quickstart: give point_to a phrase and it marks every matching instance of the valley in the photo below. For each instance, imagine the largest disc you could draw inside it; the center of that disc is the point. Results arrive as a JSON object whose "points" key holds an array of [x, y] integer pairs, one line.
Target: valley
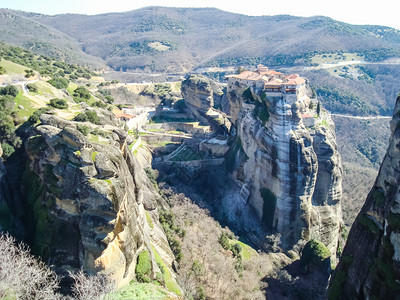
{"points": [[165, 163]]}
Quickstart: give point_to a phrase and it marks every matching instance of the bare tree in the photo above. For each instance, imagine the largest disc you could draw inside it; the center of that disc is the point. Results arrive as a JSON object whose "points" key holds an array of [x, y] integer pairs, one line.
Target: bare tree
{"points": [[22, 276], [96, 287]]}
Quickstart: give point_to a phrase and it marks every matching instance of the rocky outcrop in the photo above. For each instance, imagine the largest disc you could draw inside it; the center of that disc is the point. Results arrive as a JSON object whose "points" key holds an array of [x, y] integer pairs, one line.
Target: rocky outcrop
{"points": [[290, 173], [93, 206], [201, 95], [370, 265]]}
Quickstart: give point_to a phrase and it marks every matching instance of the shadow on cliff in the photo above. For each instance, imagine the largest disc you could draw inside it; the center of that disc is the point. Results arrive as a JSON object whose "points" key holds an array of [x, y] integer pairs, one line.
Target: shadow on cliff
{"points": [[297, 282]]}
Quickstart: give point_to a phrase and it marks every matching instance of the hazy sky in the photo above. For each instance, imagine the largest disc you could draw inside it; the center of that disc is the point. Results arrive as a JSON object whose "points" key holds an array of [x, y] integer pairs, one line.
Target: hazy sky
{"points": [[383, 12]]}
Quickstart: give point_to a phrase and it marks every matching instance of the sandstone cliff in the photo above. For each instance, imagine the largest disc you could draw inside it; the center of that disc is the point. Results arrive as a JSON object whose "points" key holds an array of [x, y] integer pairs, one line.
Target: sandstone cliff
{"points": [[370, 265], [93, 206], [201, 95], [290, 173]]}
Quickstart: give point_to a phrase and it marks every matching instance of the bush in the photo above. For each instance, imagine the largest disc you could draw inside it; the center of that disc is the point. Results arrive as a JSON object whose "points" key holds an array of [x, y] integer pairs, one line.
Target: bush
{"points": [[88, 116], [2, 70], [35, 116], [9, 90], [224, 241], [90, 287], [58, 103], [7, 150], [22, 276], [59, 82], [247, 95], [100, 104], [29, 73], [143, 267], [81, 94], [314, 252], [236, 249], [83, 129], [32, 88]]}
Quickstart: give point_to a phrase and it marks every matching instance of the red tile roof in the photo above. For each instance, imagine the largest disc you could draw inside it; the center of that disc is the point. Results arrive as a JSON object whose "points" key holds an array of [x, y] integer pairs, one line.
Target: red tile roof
{"points": [[120, 114]]}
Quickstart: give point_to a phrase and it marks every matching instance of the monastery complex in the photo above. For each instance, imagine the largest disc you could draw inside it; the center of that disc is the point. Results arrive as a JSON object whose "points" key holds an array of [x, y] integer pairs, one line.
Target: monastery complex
{"points": [[273, 83]]}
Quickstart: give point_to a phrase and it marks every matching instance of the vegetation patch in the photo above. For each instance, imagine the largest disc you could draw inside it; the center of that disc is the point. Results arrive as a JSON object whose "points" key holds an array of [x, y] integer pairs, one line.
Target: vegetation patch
{"points": [[58, 103], [88, 116], [335, 290], [248, 95], [170, 284], [149, 219], [143, 267], [140, 291], [261, 112], [59, 82], [173, 232], [268, 207], [314, 252]]}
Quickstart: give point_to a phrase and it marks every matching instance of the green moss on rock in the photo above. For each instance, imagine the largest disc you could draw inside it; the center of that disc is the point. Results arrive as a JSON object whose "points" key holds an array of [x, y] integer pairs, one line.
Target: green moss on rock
{"points": [[143, 267]]}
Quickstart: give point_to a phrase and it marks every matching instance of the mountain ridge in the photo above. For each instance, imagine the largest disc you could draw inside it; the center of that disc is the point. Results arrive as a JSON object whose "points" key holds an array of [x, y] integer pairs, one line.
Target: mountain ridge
{"points": [[185, 34]]}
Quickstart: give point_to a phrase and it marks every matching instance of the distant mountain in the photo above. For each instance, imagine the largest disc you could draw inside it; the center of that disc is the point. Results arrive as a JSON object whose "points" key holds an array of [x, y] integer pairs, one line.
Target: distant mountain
{"points": [[18, 29], [183, 39]]}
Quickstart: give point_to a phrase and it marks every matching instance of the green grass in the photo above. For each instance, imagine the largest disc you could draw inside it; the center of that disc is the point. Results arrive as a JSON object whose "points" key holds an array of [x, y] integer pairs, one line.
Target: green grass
{"points": [[169, 282], [188, 155], [94, 156], [71, 88], [149, 220], [332, 58], [12, 68], [140, 291], [44, 88], [26, 103], [247, 252]]}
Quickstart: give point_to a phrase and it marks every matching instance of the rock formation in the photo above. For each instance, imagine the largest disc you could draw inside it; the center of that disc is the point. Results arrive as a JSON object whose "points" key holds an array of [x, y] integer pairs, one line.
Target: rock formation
{"points": [[5, 213], [201, 95], [370, 265], [93, 206], [290, 171]]}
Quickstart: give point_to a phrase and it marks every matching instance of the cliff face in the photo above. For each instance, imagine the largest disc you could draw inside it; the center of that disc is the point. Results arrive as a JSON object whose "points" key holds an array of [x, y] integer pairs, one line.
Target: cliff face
{"points": [[370, 265], [93, 206], [5, 213], [201, 95], [291, 173]]}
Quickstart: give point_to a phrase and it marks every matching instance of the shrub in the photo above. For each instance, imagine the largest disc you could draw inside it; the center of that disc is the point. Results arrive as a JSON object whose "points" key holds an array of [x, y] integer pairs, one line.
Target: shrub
{"points": [[35, 116], [29, 73], [22, 276], [88, 116], [32, 88], [90, 287], [81, 94], [2, 70], [59, 82], [9, 90], [224, 241], [247, 95], [58, 103], [100, 104], [143, 267], [314, 252], [7, 150], [236, 249], [83, 129]]}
